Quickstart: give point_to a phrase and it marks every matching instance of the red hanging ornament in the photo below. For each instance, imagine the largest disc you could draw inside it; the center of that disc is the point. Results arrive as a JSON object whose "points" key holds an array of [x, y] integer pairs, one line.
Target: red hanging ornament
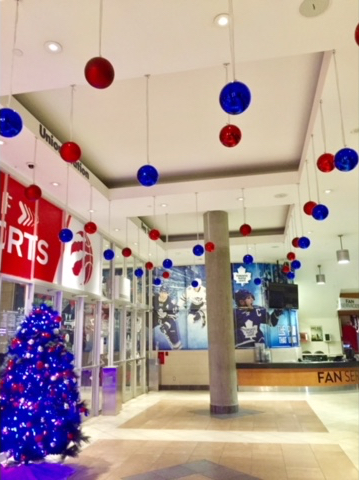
{"points": [[33, 192], [166, 275], [210, 247], [230, 135], [99, 72], [356, 35], [90, 228], [126, 252], [149, 265], [295, 242], [154, 234], [285, 268], [245, 229], [325, 163], [70, 152], [291, 256], [308, 207]]}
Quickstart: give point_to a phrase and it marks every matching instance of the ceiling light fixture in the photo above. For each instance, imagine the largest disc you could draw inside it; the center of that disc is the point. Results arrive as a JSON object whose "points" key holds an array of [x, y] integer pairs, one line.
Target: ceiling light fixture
{"points": [[240, 199], [2, 142], [221, 20], [53, 47], [313, 8], [328, 190], [342, 254], [320, 277], [91, 210], [55, 184], [163, 204]]}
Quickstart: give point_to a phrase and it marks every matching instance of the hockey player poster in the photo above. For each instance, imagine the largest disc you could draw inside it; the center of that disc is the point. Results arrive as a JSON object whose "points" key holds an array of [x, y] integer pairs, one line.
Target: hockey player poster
{"points": [[253, 322], [179, 310]]}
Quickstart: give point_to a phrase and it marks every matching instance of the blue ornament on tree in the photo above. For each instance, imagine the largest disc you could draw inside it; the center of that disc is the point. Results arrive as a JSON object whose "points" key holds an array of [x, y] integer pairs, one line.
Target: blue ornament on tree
{"points": [[66, 235], [303, 242], [346, 159], [257, 281], [296, 264], [10, 123], [157, 281], [291, 275], [138, 272], [235, 98], [147, 176], [320, 212], [109, 254], [247, 259], [198, 250], [195, 284], [167, 263]]}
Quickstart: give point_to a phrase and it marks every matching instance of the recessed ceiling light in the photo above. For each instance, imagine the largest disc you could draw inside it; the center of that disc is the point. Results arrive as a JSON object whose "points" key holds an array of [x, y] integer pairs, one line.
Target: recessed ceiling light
{"points": [[53, 47], [221, 20], [163, 204], [312, 8], [91, 210], [309, 231], [55, 184], [328, 190], [240, 199], [2, 142], [135, 243], [117, 229], [150, 254]]}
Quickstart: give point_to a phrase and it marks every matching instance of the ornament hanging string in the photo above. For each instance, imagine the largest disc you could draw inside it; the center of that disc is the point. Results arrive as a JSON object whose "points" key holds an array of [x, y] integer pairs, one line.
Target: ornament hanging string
{"points": [[231, 36], [147, 120], [315, 171], [34, 162], [226, 80], [100, 29], [72, 112], [91, 209], [244, 207], [308, 182], [339, 98], [166, 232], [323, 126], [12, 52], [299, 213]]}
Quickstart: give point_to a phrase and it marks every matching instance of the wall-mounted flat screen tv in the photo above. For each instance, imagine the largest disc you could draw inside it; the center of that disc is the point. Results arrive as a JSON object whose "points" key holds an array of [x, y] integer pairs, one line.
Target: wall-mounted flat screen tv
{"points": [[283, 295]]}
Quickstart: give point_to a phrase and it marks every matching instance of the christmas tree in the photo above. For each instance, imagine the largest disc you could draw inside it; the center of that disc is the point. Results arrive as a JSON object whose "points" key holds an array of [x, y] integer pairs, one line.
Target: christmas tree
{"points": [[39, 396]]}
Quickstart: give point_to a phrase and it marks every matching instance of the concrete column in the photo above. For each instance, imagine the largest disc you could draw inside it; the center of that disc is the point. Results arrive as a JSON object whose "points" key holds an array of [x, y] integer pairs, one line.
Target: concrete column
{"points": [[222, 365]]}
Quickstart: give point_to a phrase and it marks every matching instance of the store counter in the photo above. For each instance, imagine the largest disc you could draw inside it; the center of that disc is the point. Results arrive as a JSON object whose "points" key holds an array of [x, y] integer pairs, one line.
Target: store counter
{"points": [[299, 374]]}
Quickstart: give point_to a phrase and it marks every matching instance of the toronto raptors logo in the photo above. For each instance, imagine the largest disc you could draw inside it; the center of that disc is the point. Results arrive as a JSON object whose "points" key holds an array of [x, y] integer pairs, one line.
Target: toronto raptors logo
{"points": [[82, 251]]}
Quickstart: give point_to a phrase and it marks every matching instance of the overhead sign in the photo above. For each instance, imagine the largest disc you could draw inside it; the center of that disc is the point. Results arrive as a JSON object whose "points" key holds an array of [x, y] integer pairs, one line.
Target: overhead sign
{"points": [[348, 303]]}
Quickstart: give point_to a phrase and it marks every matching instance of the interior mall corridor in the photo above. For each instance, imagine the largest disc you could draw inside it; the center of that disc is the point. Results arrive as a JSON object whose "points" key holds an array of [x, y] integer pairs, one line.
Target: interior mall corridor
{"points": [[275, 436]]}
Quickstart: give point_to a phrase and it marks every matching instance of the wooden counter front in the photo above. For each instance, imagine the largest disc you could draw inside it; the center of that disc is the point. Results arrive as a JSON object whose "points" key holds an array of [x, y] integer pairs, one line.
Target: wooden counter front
{"points": [[323, 374]]}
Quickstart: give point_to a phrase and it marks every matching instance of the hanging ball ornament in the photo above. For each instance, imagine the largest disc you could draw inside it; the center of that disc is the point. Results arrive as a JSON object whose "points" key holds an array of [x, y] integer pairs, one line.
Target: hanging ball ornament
{"points": [[320, 212], [154, 234], [10, 123], [286, 268], [126, 252], [346, 159], [198, 250], [247, 259], [308, 207], [149, 265], [167, 263], [257, 281], [99, 72], [295, 242], [138, 272], [147, 176], [157, 281], [291, 275], [295, 264], [230, 135], [235, 98], [210, 247], [90, 228], [303, 242], [291, 256], [325, 163], [245, 230], [70, 152], [356, 34], [109, 254], [166, 275], [33, 192], [66, 235], [195, 284]]}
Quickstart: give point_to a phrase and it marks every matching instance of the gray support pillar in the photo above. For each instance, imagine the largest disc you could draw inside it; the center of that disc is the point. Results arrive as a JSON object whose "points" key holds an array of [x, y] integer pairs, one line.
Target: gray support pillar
{"points": [[221, 355]]}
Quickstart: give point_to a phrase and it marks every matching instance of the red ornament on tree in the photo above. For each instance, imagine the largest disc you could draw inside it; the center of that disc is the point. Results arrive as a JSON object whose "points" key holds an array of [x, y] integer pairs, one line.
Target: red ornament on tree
{"points": [[291, 256], [154, 234], [308, 207], [230, 135], [245, 229], [166, 275], [126, 252], [149, 265], [70, 152], [357, 34], [90, 228], [285, 268], [325, 163], [99, 72], [295, 242], [33, 192], [210, 247]]}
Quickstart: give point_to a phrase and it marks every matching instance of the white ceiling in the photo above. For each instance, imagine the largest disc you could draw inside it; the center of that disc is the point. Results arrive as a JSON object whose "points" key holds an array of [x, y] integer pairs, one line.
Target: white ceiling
{"points": [[285, 59]]}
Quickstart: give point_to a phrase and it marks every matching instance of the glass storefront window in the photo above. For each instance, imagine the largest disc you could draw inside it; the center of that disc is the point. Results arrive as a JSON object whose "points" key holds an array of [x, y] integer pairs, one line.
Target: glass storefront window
{"points": [[68, 322], [117, 335], [88, 334]]}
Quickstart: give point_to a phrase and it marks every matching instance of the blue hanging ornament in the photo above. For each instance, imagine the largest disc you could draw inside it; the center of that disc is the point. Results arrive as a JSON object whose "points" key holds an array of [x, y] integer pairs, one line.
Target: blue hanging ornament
{"points": [[296, 264], [109, 254], [346, 159], [195, 284], [66, 235], [257, 281], [291, 275], [247, 259], [157, 282], [138, 272], [320, 212], [198, 250], [10, 123], [167, 263], [303, 242], [235, 98], [147, 176]]}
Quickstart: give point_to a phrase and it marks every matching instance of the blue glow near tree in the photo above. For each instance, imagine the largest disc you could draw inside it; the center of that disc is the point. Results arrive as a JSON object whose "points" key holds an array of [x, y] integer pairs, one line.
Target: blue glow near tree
{"points": [[39, 395]]}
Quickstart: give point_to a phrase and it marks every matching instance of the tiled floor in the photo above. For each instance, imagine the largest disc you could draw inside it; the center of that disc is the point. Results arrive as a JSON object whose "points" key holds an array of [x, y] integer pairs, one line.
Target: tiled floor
{"points": [[275, 436]]}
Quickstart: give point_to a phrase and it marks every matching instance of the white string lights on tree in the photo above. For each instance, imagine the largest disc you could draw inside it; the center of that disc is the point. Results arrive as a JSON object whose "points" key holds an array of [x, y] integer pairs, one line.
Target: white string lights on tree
{"points": [[33, 192], [230, 135], [70, 151]]}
